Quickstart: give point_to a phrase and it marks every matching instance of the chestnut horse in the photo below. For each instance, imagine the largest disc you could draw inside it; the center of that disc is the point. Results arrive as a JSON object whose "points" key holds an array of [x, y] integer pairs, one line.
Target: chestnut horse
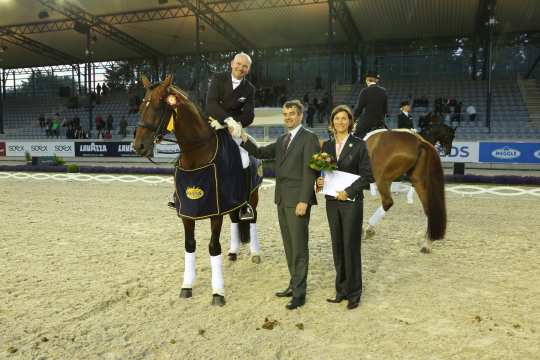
{"points": [[397, 152], [198, 143]]}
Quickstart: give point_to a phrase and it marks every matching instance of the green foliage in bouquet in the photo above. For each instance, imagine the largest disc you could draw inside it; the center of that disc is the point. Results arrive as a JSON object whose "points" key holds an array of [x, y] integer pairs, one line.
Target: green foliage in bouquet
{"points": [[322, 162]]}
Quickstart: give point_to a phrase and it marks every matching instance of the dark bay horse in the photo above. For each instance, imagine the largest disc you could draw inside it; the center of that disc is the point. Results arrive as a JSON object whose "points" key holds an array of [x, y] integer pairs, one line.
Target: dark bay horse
{"points": [[440, 133], [198, 143], [396, 152]]}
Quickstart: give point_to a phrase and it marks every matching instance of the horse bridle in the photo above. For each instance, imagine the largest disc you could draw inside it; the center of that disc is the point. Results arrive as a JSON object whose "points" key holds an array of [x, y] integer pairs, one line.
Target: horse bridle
{"points": [[165, 115], [166, 111]]}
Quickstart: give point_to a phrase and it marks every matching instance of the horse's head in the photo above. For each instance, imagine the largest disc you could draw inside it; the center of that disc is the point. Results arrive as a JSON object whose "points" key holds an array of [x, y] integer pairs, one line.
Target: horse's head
{"points": [[153, 116], [445, 136]]}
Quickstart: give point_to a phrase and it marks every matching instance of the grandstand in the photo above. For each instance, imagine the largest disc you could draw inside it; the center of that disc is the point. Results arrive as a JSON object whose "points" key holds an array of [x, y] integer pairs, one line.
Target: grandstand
{"points": [[441, 50]]}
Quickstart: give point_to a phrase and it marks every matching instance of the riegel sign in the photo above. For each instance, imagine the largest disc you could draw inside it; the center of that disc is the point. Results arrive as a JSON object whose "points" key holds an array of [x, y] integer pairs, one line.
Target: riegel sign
{"points": [[40, 148]]}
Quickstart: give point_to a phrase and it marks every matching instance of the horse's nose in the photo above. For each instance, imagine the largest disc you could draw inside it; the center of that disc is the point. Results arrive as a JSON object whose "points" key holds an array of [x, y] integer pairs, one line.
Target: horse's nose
{"points": [[138, 147]]}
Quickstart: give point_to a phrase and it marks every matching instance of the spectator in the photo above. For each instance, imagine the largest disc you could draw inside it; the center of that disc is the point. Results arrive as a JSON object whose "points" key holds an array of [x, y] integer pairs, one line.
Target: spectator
{"points": [[98, 89], [110, 121], [48, 128], [107, 135], [55, 127], [323, 107], [306, 98], [471, 111], [123, 126], [104, 89], [99, 124], [41, 121], [310, 115], [457, 112]]}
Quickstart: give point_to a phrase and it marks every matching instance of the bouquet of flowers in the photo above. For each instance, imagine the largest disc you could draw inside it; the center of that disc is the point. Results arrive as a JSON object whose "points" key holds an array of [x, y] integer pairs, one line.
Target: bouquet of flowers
{"points": [[322, 162]]}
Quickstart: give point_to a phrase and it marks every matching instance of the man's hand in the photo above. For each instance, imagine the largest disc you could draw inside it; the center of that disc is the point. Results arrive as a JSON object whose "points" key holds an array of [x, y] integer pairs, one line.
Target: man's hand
{"points": [[216, 125], [301, 208], [244, 136], [235, 129], [342, 196]]}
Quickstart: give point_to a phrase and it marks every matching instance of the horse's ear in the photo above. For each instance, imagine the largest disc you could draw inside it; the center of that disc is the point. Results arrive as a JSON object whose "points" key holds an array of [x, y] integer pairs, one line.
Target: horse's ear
{"points": [[145, 81], [168, 81]]}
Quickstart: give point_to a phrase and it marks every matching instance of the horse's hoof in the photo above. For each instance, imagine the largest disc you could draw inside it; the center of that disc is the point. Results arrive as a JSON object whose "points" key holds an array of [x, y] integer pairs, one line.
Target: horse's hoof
{"points": [[256, 259], [425, 250], [232, 256], [218, 300], [186, 293], [370, 232]]}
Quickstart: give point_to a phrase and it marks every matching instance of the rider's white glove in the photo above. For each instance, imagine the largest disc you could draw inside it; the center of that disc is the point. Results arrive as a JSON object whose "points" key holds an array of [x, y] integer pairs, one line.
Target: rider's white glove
{"points": [[216, 125], [234, 127]]}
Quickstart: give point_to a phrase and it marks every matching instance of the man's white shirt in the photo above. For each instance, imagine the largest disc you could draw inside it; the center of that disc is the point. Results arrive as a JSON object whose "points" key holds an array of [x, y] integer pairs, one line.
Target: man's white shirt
{"points": [[235, 82], [293, 133]]}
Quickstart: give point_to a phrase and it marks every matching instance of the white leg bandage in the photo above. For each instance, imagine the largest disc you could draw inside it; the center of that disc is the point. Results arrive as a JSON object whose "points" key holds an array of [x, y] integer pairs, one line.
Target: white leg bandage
{"points": [[217, 275], [410, 195], [377, 216], [254, 240], [235, 239], [395, 186], [189, 270], [373, 189], [244, 155]]}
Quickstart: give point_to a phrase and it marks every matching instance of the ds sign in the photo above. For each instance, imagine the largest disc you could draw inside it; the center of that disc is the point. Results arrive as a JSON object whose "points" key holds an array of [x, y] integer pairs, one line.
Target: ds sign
{"points": [[461, 152]]}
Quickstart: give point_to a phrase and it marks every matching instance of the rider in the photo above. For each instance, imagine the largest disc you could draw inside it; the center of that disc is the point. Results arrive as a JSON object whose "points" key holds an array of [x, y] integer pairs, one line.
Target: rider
{"points": [[405, 120], [373, 103], [231, 103]]}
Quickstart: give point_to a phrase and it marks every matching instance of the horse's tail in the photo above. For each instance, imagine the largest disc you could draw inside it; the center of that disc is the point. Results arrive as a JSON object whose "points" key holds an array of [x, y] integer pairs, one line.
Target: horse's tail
{"points": [[243, 228], [435, 202]]}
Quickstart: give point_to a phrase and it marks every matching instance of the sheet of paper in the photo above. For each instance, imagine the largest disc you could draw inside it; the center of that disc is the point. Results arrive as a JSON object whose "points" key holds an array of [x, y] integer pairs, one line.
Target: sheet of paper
{"points": [[335, 181]]}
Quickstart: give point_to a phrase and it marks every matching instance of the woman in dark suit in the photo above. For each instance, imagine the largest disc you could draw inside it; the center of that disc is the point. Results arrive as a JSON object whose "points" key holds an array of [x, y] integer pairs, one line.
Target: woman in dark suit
{"points": [[344, 215]]}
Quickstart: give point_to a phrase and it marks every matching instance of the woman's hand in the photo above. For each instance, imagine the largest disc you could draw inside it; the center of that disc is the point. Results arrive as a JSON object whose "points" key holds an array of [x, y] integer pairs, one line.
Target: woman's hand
{"points": [[342, 196], [320, 183]]}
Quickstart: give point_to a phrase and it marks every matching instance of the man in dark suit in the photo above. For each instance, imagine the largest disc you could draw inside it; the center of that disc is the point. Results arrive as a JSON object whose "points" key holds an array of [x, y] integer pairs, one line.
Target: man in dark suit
{"points": [[405, 120], [373, 104], [231, 103], [294, 194], [231, 97]]}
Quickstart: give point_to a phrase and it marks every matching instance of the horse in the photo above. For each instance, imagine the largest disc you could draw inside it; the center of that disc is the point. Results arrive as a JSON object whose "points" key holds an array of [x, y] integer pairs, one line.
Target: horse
{"points": [[198, 143], [439, 133], [397, 152]]}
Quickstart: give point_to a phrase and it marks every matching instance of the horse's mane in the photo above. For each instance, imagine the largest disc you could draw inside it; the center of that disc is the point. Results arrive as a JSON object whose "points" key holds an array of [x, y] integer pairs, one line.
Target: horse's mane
{"points": [[184, 94]]}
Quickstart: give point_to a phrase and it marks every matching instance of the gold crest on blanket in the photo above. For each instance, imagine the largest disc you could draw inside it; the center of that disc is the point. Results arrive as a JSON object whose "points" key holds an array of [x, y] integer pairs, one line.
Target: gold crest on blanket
{"points": [[194, 193]]}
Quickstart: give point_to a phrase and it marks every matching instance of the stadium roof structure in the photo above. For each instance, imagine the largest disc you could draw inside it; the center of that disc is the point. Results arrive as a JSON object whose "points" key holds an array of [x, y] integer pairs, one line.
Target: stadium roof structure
{"points": [[53, 32]]}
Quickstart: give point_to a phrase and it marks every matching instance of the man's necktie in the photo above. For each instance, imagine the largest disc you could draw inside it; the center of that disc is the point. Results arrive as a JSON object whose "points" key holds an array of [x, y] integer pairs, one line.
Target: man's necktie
{"points": [[286, 142]]}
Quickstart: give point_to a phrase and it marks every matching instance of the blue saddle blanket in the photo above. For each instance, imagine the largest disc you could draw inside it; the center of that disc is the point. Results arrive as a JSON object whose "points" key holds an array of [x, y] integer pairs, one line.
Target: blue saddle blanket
{"points": [[218, 187]]}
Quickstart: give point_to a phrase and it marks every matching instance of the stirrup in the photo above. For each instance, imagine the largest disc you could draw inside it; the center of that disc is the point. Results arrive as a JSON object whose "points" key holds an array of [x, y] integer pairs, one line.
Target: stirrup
{"points": [[246, 213]]}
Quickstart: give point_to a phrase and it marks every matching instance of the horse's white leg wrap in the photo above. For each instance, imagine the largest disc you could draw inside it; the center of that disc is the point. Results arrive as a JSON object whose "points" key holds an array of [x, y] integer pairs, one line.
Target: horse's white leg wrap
{"points": [[189, 270], [217, 275], [373, 189], [395, 187], [253, 240], [244, 155], [377, 216], [235, 239], [410, 195]]}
